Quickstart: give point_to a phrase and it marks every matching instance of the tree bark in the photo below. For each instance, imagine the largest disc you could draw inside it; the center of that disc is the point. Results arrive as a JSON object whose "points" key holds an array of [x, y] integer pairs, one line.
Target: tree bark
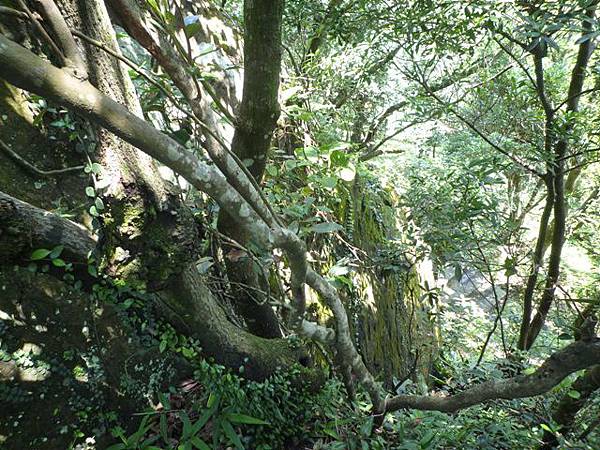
{"points": [[572, 358], [256, 122], [538, 258], [24, 227]]}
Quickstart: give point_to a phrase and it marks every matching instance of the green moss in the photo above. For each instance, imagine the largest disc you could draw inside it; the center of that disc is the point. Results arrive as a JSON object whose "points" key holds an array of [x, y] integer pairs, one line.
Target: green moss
{"points": [[130, 273], [133, 217], [385, 300]]}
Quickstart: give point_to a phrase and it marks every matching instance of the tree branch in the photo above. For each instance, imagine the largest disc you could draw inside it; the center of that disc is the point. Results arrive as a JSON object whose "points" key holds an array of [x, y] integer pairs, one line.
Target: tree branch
{"points": [[576, 356], [43, 33], [54, 18], [23, 228], [168, 59]]}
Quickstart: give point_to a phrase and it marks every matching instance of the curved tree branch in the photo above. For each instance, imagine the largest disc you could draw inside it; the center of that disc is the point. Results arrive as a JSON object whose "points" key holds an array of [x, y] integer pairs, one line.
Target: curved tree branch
{"points": [[33, 169], [225, 160], [557, 367], [24, 69]]}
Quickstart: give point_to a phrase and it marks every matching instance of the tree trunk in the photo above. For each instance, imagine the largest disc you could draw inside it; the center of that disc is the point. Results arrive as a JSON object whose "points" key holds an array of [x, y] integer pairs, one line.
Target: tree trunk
{"points": [[538, 258], [256, 122]]}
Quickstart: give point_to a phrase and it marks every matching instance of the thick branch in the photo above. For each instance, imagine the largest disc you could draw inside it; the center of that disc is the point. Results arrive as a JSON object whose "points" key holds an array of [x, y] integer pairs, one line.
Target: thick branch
{"points": [[574, 357], [23, 228], [254, 128], [24, 69], [536, 264], [48, 81], [347, 353], [226, 161], [560, 205]]}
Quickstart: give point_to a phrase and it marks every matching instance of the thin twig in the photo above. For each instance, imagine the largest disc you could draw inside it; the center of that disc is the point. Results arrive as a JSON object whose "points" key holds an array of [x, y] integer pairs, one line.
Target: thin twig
{"points": [[573, 97], [518, 61], [33, 169]]}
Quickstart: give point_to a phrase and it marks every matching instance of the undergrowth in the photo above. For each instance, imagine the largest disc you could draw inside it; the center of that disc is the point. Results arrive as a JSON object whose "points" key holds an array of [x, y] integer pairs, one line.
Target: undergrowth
{"points": [[219, 410]]}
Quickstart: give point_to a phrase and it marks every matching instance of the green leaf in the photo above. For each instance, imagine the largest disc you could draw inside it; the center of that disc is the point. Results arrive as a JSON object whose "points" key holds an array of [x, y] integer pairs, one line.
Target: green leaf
{"points": [[199, 443], [146, 445], [93, 211], [305, 116], [90, 191], [58, 262], [338, 158], [212, 399], [326, 227], [427, 439], [164, 430], [187, 425], [92, 270], [203, 420], [192, 29], [574, 394], [118, 446], [290, 164], [96, 168], [99, 204], [331, 433], [154, 5], [56, 251], [232, 435], [162, 346], [367, 427], [164, 400], [328, 182], [243, 418], [272, 171], [40, 253]]}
